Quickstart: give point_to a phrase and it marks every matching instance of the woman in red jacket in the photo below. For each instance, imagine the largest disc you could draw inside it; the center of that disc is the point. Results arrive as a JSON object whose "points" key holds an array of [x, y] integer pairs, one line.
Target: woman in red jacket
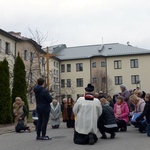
{"points": [[121, 112]]}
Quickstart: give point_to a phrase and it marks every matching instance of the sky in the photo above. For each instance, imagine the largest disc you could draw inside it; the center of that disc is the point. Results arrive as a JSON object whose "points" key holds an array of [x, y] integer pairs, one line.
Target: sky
{"points": [[80, 22]]}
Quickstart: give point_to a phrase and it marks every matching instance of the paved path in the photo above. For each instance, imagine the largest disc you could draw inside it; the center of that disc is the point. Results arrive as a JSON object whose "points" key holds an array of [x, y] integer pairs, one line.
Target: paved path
{"points": [[62, 140]]}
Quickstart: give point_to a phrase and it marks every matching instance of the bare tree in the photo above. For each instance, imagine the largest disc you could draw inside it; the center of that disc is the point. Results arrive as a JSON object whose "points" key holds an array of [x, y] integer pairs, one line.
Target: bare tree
{"points": [[102, 82], [38, 36]]}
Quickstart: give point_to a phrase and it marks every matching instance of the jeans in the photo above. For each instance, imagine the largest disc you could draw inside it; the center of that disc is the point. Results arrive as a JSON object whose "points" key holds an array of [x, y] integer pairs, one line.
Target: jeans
{"points": [[147, 126]]}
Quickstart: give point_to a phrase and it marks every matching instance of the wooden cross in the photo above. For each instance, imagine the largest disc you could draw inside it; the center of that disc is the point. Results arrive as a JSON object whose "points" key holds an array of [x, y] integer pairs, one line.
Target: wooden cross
{"points": [[47, 56]]}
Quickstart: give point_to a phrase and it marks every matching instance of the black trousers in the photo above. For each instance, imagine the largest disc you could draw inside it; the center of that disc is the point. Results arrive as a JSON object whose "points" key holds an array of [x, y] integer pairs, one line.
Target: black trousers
{"points": [[70, 123], [122, 124], [103, 129], [83, 138], [42, 123]]}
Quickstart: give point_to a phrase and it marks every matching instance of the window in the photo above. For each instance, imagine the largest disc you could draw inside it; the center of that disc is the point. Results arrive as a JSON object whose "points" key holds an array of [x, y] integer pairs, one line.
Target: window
{"points": [[79, 67], [31, 56], [80, 82], [117, 64], [68, 82], [0, 45], [135, 79], [43, 61], [94, 80], [62, 68], [57, 64], [134, 63], [103, 64], [68, 67], [25, 54], [118, 80], [7, 48], [54, 64], [94, 65], [63, 83], [56, 72]]}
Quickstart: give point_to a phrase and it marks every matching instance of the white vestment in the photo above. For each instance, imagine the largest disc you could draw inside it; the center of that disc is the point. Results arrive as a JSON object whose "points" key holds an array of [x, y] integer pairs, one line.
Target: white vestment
{"points": [[87, 113]]}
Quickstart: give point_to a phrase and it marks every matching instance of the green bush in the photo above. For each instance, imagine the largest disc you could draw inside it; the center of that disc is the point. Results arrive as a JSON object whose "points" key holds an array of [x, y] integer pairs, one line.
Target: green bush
{"points": [[19, 82], [5, 98]]}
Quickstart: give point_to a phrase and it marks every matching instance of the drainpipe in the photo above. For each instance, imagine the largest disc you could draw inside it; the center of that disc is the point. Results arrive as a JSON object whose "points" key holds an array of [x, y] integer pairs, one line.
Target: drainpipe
{"points": [[90, 72], [106, 75]]}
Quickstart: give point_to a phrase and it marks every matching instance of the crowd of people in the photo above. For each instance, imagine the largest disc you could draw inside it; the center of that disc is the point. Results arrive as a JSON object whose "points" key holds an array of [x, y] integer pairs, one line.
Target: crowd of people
{"points": [[88, 114]]}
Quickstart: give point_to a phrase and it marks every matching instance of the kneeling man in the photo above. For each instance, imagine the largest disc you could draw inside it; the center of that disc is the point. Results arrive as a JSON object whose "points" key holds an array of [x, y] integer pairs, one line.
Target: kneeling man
{"points": [[87, 110]]}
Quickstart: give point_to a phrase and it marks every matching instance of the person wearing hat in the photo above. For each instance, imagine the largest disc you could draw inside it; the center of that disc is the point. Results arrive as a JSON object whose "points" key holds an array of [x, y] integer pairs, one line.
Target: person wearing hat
{"points": [[125, 93], [87, 110], [101, 95]]}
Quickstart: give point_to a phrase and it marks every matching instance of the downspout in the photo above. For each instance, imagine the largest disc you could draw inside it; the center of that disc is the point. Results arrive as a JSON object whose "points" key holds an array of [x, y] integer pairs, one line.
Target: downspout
{"points": [[106, 75], [90, 72]]}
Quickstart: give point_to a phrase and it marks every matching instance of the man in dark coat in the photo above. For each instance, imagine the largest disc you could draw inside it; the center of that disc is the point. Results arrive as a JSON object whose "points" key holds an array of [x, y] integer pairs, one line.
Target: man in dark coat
{"points": [[43, 100]]}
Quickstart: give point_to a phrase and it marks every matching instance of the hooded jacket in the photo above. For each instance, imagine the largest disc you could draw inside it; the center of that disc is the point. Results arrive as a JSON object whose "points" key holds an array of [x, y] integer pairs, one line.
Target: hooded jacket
{"points": [[43, 99]]}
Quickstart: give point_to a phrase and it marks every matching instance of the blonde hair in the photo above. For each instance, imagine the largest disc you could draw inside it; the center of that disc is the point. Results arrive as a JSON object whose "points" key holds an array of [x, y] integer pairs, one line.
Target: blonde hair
{"points": [[138, 93], [134, 99], [18, 98]]}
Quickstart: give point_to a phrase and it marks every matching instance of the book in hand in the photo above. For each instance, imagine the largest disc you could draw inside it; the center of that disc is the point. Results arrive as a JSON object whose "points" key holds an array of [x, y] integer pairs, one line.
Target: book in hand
{"points": [[135, 115]]}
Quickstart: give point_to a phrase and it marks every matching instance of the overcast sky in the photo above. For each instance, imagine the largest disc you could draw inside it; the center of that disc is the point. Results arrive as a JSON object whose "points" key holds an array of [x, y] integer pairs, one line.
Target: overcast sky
{"points": [[80, 22]]}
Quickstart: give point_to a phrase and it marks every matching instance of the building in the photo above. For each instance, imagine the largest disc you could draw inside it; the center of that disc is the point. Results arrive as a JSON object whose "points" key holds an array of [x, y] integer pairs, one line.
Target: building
{"points": [[12, 44], [104, 65]]}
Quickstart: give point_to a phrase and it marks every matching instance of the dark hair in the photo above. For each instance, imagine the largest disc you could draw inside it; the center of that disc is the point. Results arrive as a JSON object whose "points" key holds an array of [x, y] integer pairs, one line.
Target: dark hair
{"points": [[40, 81], [121, 98]]}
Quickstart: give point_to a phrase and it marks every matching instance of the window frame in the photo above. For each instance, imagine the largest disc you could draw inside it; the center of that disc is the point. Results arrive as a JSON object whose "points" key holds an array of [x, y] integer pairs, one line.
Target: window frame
{"points": [[62, 67], [119, 80], [7, 48], [134, 64], [79, 67], [68, 67], [117, 64], [135, 78], [68, 82], [93, 64], [25, 54], [79, 82], [103, 64], [62, 83]]}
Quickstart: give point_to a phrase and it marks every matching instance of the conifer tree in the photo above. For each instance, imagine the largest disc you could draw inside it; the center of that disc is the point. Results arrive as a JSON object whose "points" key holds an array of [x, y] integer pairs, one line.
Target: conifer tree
{"points": [[5, 98], [19, 81]]}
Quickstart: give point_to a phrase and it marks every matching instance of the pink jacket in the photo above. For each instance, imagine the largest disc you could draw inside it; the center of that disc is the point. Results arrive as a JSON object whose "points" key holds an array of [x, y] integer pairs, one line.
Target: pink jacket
{"points": [[124, 112]]}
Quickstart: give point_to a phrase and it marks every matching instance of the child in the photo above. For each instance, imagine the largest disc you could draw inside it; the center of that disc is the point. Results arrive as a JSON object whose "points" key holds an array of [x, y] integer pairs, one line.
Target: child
{"points": [[146, 113]]}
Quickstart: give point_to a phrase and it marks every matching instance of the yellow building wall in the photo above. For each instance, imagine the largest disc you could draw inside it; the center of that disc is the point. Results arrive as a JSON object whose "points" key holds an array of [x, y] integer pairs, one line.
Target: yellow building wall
{"points": [[126, 71], [73, 75]]}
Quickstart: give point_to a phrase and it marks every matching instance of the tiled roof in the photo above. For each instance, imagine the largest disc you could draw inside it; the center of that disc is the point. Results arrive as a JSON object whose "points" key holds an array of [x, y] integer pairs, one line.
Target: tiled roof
{"points": [[104, 50]]}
